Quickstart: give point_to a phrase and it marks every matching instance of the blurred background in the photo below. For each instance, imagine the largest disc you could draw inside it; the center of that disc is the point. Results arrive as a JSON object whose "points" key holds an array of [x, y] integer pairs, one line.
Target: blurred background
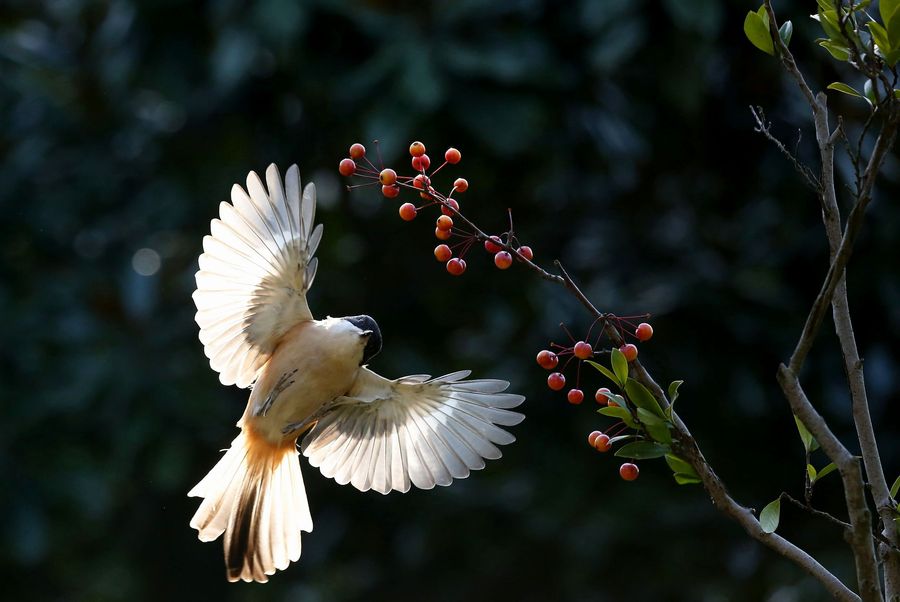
{"points": [[618, 133]]}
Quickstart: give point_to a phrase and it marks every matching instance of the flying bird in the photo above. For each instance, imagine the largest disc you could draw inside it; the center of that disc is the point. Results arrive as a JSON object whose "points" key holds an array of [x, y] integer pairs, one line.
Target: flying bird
{"points": [[310, 378]]}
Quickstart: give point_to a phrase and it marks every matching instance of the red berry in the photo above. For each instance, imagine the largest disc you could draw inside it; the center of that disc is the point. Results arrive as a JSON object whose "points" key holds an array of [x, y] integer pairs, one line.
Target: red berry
{"points": [[460, 185], [421, 181], [416, 149], [387, 177], [601, 443], [643, 332], [628, 471], [444, 222], [452, 155], [547, 359], [390, 192], [456, 266], [630, 351], [442, 234], [502, 260], [421, 163], [575, 396], [593, 437], [526, 252], [408, 212], [583, 350], [357, 151], [601, 395], [451, 209], [347, 167], [442, 253], [493, 245], [556, 381]]}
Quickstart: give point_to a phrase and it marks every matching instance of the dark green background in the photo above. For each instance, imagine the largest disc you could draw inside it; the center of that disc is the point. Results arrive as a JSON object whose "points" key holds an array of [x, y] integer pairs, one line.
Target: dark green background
{"points": [[619, 134]]}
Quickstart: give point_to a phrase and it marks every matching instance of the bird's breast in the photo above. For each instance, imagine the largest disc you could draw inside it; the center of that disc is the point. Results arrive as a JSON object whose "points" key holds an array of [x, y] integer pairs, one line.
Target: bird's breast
{"points": [[312, 365]]}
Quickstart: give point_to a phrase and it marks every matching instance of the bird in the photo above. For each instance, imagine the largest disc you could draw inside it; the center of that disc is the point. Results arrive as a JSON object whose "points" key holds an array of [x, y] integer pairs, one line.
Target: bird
{"points": [[310, 378]]}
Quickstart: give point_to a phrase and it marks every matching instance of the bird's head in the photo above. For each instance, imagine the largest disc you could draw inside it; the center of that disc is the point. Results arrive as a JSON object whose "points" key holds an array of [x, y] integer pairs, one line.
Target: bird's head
{"points": [[368, 330]]}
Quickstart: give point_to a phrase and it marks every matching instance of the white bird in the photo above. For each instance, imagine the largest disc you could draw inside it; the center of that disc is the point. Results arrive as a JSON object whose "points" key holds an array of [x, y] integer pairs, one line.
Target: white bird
{"points": [[310, 376]]}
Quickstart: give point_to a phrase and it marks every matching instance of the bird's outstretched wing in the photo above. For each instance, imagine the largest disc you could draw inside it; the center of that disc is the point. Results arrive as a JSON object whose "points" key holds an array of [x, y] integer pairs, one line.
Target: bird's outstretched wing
{"points": [[254, 273], [389, 434]]}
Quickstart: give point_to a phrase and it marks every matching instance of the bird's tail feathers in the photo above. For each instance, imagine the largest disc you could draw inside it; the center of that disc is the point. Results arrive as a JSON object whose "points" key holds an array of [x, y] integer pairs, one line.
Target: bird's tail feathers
{"points": [[255, 496]]}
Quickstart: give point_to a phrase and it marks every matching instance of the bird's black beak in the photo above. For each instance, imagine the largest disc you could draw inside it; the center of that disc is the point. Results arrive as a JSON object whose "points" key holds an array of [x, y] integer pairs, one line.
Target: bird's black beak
{"points": [[369, 329]]}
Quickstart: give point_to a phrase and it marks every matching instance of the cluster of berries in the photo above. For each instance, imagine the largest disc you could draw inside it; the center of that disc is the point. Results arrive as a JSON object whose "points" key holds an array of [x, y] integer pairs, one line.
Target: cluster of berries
{"points": [[503, 247], [582, 351]]}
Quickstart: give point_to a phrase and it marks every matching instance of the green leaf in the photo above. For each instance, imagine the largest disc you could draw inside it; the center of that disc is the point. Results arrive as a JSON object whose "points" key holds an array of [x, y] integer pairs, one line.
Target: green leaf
{"points": [[828, 19], [896, 93], [604, 371], [673, 390], [825, 4], [838, 51], [642, 398], [842, 87], [642, 450], [811, 473], [659, 432], [882, 41], [621, 413], [895, 488], [869, 91], [649, 418], [786, 31], [827, 470], [680, 466], [809, 442], [619, 438], [887, 9], [619, 366], [893, 29], [685, 479], [757, 31], [770, 515], [618, 400]]}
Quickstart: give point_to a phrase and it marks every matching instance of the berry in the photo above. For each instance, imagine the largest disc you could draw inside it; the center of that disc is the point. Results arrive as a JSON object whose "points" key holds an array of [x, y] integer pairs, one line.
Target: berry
{"points": [[502, 260], [347, 167], [556, 380], [357, 151], [601, 443], [601, 396], [442, 253], [408, 212], [547, 360], [452, 156], [456, 266], [630, 351], [575, 396], [493, 245], [583, 350], [421, 163], [416, 149], [390, 192], [628, 471], [526, 253], [593, 437], [421, 181], [387, 177], [442, 234], [444, 222], [453, 207], [643, 332], [460, 185]]}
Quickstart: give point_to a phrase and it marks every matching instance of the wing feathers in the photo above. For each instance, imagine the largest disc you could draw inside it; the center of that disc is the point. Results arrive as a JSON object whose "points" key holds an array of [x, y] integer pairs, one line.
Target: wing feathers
{"points": [[388, 435], [255, 270]]}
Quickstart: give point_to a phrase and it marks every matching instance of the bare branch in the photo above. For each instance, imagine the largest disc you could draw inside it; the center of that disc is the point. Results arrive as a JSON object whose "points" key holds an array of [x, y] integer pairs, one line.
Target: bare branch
{"points": [[764, 128]]}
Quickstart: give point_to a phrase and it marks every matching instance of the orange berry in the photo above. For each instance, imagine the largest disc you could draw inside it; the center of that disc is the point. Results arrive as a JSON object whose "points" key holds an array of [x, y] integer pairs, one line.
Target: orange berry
{"points": [[408, 212], [460, 185], [502, 260], [601, 396], [456, 266], [630, 351], [629, 471], [575, 396], [526, 252], [421, 163], [547, 359], [357, 151], [442, 234], [387, 177], [450, 208], [416, 149], [444, 222], [452, 155], [643, 332], [593, 437], [556, 381], [493, 245], [601, 443], [442, 253], [390, 192], [347, 167], [583, 350]]}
